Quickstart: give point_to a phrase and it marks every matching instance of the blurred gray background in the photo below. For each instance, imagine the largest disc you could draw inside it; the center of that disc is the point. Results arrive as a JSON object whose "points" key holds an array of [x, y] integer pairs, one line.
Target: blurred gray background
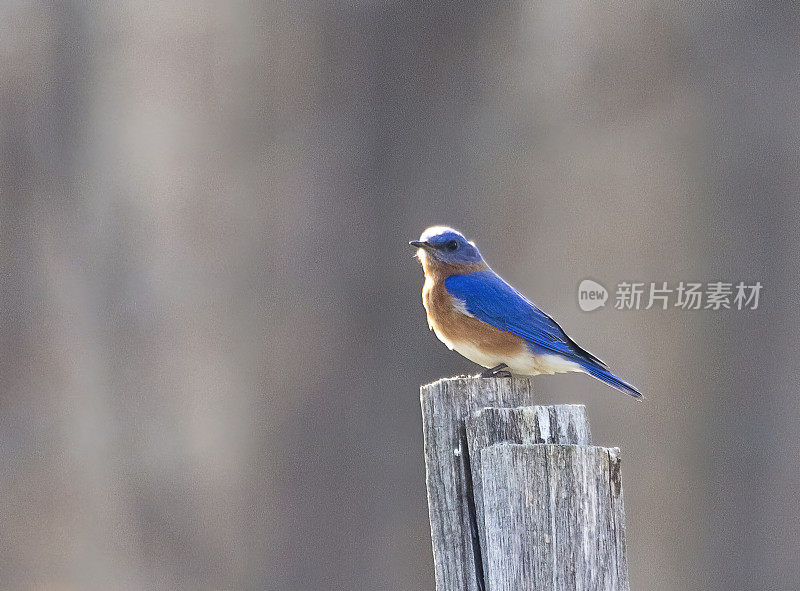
{"points": [[211, 332]]}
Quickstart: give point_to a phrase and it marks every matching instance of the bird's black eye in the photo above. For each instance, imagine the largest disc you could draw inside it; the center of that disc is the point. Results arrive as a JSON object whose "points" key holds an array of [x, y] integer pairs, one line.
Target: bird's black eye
{"points": [[451, 245]]}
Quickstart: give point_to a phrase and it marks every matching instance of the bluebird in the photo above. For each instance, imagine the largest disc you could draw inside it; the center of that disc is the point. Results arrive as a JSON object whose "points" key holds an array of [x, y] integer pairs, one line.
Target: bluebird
{"points": [[474, 311]]}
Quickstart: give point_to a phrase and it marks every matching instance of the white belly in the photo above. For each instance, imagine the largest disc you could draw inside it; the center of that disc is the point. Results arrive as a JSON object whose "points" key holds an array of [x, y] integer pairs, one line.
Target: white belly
{"points": [[526, 363]]}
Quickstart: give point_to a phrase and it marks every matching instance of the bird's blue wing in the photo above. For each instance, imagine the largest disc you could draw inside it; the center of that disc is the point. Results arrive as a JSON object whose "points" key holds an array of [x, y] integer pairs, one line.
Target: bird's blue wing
{"points": [[493, 301], [490, 299]]}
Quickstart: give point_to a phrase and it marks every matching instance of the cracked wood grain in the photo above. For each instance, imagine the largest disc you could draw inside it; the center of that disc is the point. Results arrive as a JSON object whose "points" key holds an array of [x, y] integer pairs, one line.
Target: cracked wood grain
{"points": [[518, 497]]}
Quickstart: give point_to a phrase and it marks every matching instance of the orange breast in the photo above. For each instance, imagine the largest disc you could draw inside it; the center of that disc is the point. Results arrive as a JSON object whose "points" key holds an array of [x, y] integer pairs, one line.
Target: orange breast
{"points": [[456, 327]]}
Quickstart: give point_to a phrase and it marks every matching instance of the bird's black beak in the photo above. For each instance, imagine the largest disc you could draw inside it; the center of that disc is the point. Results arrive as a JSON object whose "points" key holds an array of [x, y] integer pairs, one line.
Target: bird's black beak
{"points": [[419, 244]]}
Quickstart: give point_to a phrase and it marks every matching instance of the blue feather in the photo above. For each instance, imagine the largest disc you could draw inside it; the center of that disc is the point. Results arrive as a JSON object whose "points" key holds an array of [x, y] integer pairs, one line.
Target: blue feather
{"points": [[493, 301]]}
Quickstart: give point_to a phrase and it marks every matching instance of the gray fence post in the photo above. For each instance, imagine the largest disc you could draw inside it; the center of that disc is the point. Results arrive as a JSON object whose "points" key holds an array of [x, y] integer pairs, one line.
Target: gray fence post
{"points": [[518, 497]]}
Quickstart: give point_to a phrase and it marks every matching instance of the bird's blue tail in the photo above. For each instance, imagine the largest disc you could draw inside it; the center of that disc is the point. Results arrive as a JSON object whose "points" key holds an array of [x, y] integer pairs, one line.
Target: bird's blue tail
{"points": [[605, 376]]}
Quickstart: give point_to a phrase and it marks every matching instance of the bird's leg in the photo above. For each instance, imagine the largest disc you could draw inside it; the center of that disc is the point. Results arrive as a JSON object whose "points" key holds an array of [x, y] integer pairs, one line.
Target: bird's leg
{"points": [[498, 371], [488, 373]]}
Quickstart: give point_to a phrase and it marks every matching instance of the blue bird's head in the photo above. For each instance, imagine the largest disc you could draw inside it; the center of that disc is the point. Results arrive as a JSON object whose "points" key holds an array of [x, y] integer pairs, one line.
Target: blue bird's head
{"points": [[443, 245]]}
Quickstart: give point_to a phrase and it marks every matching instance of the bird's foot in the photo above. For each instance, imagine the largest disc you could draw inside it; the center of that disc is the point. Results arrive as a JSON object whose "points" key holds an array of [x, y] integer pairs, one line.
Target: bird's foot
{"points": [[498, 371]]}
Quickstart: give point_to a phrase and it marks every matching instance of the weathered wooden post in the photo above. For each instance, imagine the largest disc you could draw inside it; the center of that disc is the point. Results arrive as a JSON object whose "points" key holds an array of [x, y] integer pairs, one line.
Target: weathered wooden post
{"points": [[518, 497]]}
